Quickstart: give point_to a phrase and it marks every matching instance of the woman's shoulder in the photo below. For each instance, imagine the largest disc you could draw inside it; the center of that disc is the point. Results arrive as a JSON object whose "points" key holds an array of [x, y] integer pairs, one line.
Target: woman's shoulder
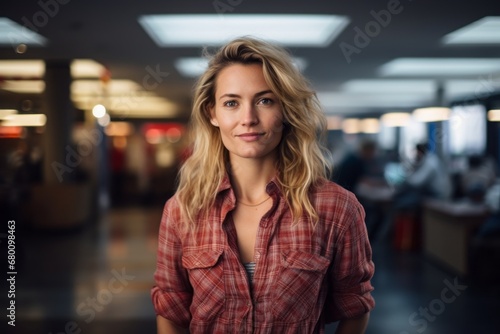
{"points": [[171, 209], [331, 190], [335, 203]]}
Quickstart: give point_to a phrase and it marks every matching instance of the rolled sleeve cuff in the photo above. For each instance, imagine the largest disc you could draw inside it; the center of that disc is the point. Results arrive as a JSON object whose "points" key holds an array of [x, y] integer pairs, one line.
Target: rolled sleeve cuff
{"points": [[173, 306], [351, 305]]}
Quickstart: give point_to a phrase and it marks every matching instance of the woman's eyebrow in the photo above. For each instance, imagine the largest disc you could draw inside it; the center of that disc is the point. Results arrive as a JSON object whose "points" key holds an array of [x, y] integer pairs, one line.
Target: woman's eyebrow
{"points": [[264, 92], [229, 95]]}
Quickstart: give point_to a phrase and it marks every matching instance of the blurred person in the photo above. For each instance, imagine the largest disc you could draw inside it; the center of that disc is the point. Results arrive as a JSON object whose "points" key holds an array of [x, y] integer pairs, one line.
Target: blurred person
{"points": [[256, 239], [359, 172], [356, 166], [428, 178], [478, 178]]}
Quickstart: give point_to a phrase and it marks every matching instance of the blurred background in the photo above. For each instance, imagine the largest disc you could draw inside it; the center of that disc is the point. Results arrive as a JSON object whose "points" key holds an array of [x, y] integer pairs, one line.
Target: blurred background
{"points": [[95, 98]]}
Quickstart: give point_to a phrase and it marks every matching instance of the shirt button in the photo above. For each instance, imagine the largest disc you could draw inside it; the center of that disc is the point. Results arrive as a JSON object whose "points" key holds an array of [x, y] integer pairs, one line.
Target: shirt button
{"points": [[257, 255]]}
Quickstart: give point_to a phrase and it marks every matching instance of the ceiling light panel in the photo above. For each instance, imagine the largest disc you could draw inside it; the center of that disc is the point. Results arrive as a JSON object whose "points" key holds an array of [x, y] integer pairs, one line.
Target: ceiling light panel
{"points": [[200, 30], [23, 86], [86, 68], [431, 114], [483, 31], [14, 34], [22, 69], [385, 86], [440, 67], [388, 100], [97, 88], [24, 120], [195, 66], [7, 112]]}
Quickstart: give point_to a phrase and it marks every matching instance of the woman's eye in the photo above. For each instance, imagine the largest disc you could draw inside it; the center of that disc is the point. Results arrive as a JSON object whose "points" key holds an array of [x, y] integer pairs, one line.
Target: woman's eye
{"points": [[231, 103], [266, 101]]}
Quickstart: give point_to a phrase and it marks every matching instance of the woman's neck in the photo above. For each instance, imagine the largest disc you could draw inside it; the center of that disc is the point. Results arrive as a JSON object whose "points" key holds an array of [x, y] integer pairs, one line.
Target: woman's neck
{"points": [[249, 178]]}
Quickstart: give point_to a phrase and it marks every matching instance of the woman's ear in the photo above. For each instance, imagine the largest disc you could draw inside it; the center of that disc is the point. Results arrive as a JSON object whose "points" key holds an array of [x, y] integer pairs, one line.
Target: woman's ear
{"points": [[211, 113], [214, 121]]}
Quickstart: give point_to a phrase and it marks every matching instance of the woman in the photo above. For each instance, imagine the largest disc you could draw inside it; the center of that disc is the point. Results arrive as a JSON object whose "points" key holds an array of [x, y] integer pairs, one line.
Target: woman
{"points": [[256, 240]]}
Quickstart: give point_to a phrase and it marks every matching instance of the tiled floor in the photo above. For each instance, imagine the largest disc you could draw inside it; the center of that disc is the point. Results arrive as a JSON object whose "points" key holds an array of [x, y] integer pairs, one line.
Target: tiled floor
{"points": [[97, 280]]}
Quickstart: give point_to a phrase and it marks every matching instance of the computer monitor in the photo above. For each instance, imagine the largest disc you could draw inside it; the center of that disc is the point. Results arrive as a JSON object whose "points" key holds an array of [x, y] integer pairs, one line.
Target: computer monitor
{"points": [[466, 130]]}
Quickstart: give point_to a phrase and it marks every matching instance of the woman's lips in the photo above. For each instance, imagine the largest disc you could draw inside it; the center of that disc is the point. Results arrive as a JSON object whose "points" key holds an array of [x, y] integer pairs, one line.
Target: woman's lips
{"points": [[250, 136]]}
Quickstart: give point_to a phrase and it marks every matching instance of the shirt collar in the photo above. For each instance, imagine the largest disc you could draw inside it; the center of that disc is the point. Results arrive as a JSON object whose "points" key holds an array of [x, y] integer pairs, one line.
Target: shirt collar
{"points": [[271, 187]]}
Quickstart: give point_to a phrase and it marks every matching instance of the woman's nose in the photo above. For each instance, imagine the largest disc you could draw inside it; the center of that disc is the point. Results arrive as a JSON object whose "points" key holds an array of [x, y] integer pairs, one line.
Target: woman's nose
{"points": [[249, 115]]}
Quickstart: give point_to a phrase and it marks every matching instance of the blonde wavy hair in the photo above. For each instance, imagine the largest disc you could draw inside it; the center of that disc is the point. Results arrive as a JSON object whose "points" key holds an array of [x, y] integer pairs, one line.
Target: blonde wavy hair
{"points": [[302, 161]]}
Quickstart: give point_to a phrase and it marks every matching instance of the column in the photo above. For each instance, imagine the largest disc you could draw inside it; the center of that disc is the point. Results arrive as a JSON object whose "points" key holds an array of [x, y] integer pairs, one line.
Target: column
{"points": [[58, 108]]}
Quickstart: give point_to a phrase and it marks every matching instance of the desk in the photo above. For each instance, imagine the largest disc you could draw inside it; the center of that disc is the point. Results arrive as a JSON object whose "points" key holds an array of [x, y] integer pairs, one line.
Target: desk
{"points": [[448, 229]]}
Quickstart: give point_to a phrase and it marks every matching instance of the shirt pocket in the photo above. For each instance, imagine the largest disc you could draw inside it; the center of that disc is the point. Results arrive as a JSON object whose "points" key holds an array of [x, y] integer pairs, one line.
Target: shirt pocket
{"points": [[298, 285], [206, 274]]}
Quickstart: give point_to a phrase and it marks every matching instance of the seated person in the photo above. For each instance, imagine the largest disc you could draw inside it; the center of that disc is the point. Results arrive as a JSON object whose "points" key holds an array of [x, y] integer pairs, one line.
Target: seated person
{"points": [[428, 178]]}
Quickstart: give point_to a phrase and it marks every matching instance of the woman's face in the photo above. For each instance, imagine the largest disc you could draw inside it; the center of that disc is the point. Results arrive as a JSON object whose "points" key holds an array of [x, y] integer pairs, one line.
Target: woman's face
{"points": [[247, 113]]}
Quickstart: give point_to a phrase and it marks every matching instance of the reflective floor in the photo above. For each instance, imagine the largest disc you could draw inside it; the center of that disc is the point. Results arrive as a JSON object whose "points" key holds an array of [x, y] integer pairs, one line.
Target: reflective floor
{"points": [[97, 280]]}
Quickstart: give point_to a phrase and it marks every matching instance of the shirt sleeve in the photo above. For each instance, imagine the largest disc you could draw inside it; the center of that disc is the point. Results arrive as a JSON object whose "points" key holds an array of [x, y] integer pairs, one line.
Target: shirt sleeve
{"points": [[172, 293], [352, 268]]}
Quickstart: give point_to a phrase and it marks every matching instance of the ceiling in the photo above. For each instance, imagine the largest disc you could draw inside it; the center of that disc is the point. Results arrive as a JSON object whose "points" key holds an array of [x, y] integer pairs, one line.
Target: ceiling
{"points": [[108, 32]]}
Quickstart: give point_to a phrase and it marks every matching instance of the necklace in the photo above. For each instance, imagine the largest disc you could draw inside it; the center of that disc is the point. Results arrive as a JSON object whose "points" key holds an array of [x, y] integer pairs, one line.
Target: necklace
{"points": [[251, 205]]}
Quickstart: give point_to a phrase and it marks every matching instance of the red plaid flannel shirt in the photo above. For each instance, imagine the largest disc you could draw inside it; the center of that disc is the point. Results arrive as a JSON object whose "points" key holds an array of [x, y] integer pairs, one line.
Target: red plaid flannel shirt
{"points": [[304, 277]]}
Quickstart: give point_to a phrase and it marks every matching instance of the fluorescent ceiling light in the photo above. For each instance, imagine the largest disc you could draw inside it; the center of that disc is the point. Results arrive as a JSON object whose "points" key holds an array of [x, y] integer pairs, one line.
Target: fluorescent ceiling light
{"points": [[369, 125], [385, 86], [191, 66], [452, 88], [14, 34], [436, 67], [33, 69], [86, 68], [483, 31], [23, 86], [195, 66], [98, 88], [395, 119], [494, 115], [7, 112], [140, 107], [199, 30], [24, 120], [351, 125], [477, 88], [431, 114], [373, 100]]}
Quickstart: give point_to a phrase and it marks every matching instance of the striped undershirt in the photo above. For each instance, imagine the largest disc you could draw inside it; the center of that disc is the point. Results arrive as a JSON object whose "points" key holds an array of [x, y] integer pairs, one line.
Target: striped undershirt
{"points": [[250, 269]]}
